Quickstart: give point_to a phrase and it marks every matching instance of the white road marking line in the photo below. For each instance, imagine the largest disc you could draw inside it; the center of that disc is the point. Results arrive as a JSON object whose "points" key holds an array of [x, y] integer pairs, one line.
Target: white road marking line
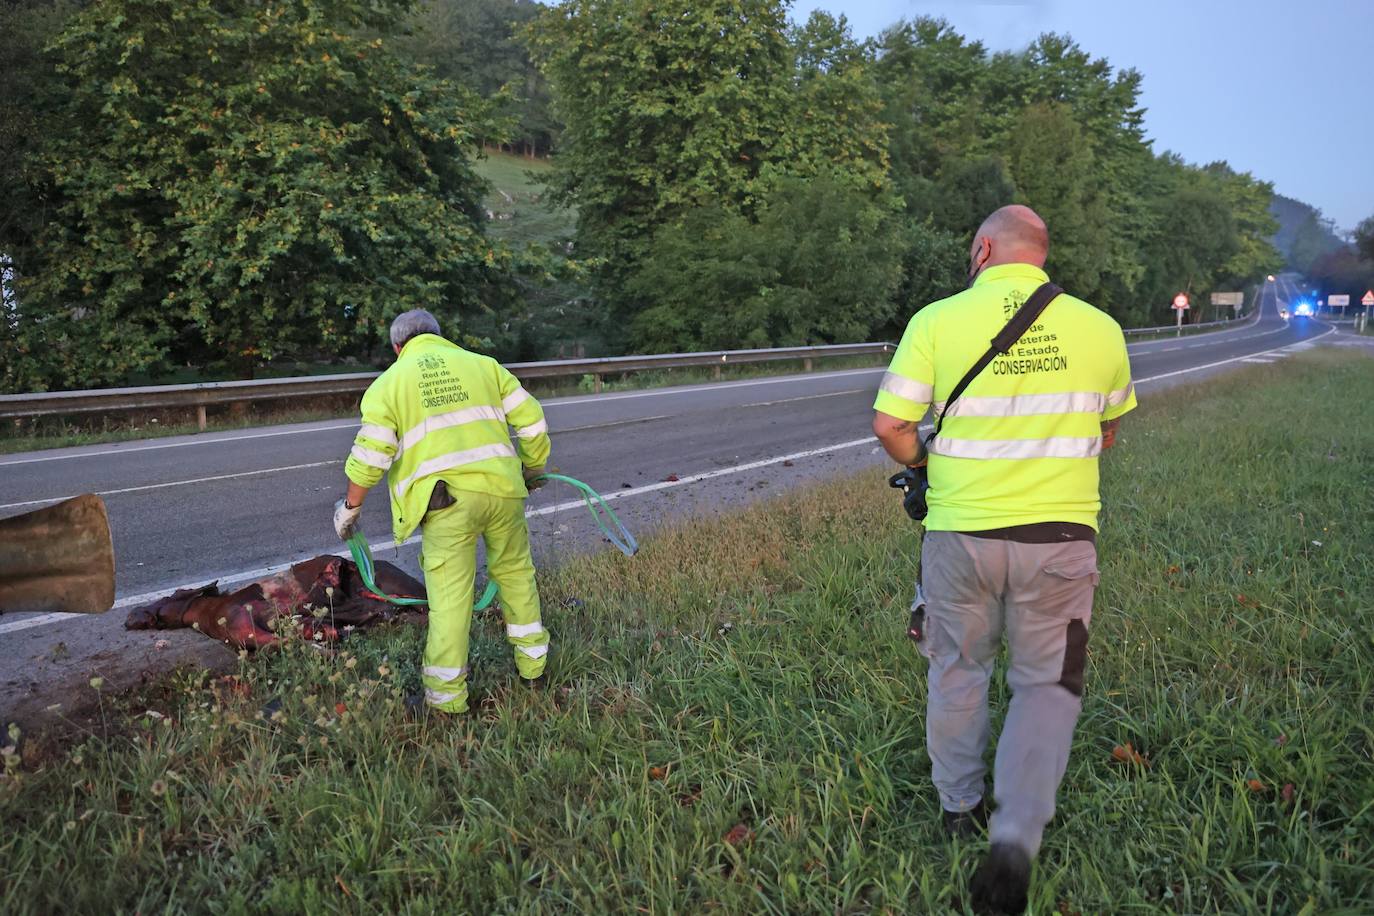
{"points": [[379, 546], [1234, 359], [807, 397], [176, 483], [215, 439], [579, 429], [547, 404], [249, 575], [162, 445], [40, 620], [705, 475], [694, 389]]}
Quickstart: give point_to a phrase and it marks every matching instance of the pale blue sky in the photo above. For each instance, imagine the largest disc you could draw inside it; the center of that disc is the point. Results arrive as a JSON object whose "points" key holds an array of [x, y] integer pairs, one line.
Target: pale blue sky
{"points": [[1284, 90]]}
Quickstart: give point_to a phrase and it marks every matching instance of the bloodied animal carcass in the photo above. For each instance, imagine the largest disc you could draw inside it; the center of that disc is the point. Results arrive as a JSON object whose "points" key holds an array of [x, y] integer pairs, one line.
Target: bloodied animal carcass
{"points": [[325, 595]]}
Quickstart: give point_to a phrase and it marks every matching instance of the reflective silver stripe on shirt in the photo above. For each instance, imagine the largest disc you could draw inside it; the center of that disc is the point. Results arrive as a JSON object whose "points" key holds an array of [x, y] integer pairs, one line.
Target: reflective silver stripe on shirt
{"points": [[907, 389], [446, 420], [534, 429], [516, 630], [442, 673], [439, 697], [1121, 395], [1054, 447], [370, 457], [379, 433], [533, 651], [1026, 405], [453, 460], [514, 399]]}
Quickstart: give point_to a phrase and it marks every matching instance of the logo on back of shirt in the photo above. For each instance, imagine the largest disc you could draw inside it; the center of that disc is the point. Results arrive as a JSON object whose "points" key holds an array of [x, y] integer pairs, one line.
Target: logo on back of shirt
{"points": [[1012, 304], [438, 385], [1038, 349]]}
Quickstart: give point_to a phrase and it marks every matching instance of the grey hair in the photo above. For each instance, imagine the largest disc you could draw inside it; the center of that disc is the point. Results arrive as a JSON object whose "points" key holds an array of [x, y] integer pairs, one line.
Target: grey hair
{"points": [[412, 324]]}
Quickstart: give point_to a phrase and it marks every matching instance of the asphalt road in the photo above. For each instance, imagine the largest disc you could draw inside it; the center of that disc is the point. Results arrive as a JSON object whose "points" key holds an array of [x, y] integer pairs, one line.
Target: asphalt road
{"points": [[231, 505]]}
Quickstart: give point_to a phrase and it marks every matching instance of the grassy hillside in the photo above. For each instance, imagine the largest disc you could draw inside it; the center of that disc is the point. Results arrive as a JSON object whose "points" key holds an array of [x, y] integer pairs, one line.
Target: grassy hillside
{"points": [[516, 202]]}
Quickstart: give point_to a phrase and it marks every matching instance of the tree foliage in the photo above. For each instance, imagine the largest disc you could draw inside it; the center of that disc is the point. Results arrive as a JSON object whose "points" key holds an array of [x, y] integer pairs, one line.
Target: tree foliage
{"points": [[1347, 269], [252, 180], [819, 264], [208, 181], [477, 44], [673, 106], [1062, 131]]}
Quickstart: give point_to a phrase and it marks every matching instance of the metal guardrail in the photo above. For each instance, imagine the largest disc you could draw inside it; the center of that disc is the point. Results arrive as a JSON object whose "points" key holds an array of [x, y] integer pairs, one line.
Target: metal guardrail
{"points": [[1166, 328], [205, 394]]}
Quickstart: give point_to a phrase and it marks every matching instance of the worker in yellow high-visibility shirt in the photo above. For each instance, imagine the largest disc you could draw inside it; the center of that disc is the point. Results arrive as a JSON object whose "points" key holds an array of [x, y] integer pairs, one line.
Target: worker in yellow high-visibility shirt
{"points": [[437, 424], [1010, 544]]}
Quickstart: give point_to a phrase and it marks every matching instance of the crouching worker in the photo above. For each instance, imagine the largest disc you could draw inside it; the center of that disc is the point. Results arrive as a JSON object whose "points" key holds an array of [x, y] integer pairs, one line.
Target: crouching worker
{"points": [[436, 423]]}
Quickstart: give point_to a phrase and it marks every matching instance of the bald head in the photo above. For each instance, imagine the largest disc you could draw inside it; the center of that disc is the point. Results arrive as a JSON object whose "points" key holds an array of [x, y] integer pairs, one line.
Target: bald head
{"points": [[1011, 235]]}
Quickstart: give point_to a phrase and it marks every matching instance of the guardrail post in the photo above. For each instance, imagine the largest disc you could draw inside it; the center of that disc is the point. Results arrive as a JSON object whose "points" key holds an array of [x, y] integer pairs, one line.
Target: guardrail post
{"points": [[200, 416], [715, 372], [597, 382], [806, 364]]}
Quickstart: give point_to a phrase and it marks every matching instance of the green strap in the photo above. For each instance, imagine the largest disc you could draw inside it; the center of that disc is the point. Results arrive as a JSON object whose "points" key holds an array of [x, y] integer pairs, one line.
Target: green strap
{"points": [[602, 514]]}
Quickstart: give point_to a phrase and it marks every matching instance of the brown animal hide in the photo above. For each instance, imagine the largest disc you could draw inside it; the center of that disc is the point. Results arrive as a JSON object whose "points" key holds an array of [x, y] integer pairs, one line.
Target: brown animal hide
{"points": [[245, 618]]}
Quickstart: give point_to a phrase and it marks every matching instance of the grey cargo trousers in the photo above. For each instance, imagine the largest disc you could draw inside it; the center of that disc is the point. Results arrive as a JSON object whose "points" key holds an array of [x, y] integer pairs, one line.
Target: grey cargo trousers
{"points": [[1041, 596]]}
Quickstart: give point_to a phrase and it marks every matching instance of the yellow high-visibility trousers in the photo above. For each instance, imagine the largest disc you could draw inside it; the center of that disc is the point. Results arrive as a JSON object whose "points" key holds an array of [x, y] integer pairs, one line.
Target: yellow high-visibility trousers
{"points": [[449, 560]]}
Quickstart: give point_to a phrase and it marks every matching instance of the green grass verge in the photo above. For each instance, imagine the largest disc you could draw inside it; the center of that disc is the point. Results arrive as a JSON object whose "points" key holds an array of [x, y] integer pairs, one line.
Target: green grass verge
{"points": [[736, 718]]}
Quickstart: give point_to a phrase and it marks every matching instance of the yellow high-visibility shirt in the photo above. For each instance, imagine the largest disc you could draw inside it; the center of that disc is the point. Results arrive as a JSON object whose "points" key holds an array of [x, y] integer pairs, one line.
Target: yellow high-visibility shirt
{"points": [[1020, 445], [441, 413]]}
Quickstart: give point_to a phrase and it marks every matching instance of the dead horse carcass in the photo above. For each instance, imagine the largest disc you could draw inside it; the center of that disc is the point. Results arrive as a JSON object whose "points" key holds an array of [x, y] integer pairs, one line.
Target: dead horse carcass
{"points": [[244, 618]]}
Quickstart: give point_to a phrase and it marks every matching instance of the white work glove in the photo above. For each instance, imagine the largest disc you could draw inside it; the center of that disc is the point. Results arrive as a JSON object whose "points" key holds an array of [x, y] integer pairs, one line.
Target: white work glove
{"points": [[346, 519], [531, 483]]}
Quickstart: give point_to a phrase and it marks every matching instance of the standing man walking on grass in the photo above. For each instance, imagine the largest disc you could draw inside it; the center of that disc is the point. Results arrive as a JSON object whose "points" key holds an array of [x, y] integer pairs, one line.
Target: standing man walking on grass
{"points": [[1010, 544], [436, 424]]}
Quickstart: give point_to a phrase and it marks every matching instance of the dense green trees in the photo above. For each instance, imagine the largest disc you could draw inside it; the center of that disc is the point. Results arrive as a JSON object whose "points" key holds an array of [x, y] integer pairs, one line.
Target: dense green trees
{"points": [[244, 178], [681, 108], [1347, 269], [235, 182], [478, 44], [1058, 130], [818, 262]]}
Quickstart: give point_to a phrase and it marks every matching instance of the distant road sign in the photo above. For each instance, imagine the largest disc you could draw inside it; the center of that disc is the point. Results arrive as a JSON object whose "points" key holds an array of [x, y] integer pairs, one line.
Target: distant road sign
{"points": [[1368, 297], [1340, 299], [1232, 299], [1181, 301]]}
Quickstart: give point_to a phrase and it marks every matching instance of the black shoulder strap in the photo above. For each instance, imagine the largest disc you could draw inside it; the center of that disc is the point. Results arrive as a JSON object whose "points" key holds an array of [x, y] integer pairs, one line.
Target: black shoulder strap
{"points": [[1025, 316]]}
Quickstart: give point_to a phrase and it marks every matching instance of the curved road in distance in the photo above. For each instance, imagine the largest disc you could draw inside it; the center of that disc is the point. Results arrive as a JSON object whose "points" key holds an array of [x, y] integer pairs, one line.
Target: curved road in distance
{"points": [[230, 505]]}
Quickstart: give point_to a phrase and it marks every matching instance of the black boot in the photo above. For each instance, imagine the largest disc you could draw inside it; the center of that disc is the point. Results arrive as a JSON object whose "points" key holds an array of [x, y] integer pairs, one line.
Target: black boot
{"points": [[964, 825], [416, 709], [1000, 884], [536, 684]]}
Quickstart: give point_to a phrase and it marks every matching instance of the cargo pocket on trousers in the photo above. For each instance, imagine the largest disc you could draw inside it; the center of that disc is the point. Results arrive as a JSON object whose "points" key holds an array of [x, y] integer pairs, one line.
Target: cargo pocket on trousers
{"points": [[1074, 577], [429, 565], [1066, 587]]}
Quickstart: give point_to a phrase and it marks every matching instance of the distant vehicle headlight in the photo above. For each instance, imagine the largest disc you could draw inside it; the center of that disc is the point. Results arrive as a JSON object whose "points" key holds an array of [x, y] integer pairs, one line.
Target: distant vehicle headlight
{"points": [[1304, 309]]}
